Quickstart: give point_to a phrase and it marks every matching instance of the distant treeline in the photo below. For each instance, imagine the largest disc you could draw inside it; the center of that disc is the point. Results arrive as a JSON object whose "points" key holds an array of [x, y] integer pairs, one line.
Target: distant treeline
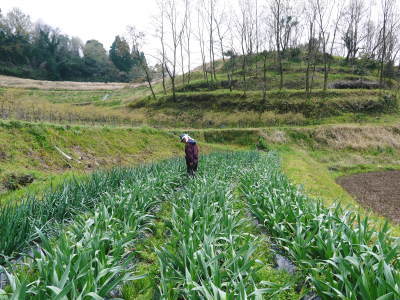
{"points": [[39, 51]]}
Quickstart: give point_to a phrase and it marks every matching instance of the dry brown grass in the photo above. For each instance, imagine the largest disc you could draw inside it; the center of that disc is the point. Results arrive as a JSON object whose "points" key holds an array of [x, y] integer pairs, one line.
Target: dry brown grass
{"points": [[358, 137], [337, 137], [275, 136], [15, 105], [15, 82]]}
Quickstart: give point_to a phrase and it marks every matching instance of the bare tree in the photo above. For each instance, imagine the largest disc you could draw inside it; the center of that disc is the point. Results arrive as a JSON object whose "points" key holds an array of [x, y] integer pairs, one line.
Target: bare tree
{"points": [[137, 40], [232, 54], [188, 32], [283, 23], [351, 31], [264, 41], [257, 38], [200, 38], [17, 23], [335, 25], [388, 25], [209, 16], [370, 31], [241, 25], [222, 24], [276, 9], [324, 12], [182, 60], [161, 32], [311, 16], [176, 25]]}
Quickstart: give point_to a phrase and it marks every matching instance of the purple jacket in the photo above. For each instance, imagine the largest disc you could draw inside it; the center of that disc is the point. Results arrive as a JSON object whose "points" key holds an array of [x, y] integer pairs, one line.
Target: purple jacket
{"points": [[192, 152]]}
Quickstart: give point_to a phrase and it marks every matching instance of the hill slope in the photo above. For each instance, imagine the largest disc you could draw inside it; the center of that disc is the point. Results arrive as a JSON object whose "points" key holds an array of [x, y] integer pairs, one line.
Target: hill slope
{"points": [[208, 102]]}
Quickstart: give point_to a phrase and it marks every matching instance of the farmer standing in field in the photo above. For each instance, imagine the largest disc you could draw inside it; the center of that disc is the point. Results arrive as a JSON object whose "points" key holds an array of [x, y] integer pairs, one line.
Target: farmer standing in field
{"points": [[191, 153]]}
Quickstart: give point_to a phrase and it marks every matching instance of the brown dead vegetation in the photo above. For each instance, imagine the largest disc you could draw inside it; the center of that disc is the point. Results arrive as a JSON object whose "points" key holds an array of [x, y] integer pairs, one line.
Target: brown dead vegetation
{"points": [[358, 137], [15, 82], [338, 137], [15, 105]]}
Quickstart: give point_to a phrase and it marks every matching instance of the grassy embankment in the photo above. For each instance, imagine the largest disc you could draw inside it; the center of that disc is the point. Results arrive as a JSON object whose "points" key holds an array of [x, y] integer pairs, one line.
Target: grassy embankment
{"points": [[39, 150]]}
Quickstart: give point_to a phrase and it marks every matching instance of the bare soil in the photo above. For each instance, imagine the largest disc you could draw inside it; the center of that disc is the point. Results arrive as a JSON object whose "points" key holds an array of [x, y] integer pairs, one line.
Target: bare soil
{"points": [[379, 191]]}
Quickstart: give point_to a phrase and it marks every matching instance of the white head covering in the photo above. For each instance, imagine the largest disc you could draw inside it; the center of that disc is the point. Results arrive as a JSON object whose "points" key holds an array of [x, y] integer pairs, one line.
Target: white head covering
{"points": [[185, 137]]}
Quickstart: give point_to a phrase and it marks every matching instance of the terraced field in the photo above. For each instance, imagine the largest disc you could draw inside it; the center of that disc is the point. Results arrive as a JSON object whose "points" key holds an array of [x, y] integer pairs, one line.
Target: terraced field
{"points": [[152, 233]]}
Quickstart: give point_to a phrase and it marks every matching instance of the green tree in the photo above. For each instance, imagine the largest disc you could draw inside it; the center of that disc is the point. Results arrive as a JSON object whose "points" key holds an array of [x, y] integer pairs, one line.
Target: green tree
{"points": [[94, 50], [120, 54]]}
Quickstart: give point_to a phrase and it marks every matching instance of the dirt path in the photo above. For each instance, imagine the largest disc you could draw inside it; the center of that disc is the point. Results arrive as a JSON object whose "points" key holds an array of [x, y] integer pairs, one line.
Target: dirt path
{"points": [[9, 81], [379, 191]]}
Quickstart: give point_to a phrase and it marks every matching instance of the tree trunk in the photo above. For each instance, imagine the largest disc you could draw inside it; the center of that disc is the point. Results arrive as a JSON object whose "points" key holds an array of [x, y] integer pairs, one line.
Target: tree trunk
{"points": [[265, 79], [148, 79], [182, 64], [309, 54], [280, 71], [163, 79], [381, 77]]}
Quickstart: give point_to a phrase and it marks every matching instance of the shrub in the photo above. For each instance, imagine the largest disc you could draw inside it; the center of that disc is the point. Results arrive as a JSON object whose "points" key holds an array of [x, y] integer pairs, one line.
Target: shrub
{"points": [[262, 144]]}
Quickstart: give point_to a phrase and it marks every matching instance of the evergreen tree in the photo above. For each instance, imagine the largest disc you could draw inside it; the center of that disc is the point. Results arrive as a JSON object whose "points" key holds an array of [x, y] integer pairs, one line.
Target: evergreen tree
{"points": [[120, 54]]}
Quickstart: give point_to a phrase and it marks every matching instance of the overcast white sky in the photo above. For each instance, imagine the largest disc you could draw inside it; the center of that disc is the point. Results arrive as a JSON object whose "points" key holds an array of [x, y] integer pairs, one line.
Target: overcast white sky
{"points": [[88, 19]]}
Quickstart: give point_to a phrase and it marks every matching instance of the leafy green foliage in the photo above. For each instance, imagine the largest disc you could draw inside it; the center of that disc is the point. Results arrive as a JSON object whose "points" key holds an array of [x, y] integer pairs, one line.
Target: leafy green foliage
{"points": [[262, 144], [211, 254], [18, 222], [344, 256], [95, 254], [207, 256], [207, 253], [44, 53], [120, 54]]}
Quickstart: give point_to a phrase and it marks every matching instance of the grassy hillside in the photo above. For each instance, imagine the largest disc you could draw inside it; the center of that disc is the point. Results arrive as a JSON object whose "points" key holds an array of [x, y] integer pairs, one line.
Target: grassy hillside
{"points": [[223, 108], [208, 103]]}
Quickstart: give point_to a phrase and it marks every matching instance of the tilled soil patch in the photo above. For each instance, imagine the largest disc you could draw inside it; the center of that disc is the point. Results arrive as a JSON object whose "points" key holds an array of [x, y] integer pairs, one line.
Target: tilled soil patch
{"points": [[379, 191]]}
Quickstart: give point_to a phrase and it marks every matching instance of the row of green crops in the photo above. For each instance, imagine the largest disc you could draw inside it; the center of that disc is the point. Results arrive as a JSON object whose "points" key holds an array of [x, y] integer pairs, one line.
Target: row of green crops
{"points": [[209, 255], [95, 253], [344, 256], [18, 222]]}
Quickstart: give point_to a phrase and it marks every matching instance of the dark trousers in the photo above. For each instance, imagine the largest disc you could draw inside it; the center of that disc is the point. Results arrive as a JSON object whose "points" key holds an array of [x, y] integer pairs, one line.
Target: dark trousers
{"points": [[191, 169]]}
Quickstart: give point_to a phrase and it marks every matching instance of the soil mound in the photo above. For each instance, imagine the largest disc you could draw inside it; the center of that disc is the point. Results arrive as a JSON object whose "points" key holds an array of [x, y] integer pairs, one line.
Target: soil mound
{"points": [[379, 191]]}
